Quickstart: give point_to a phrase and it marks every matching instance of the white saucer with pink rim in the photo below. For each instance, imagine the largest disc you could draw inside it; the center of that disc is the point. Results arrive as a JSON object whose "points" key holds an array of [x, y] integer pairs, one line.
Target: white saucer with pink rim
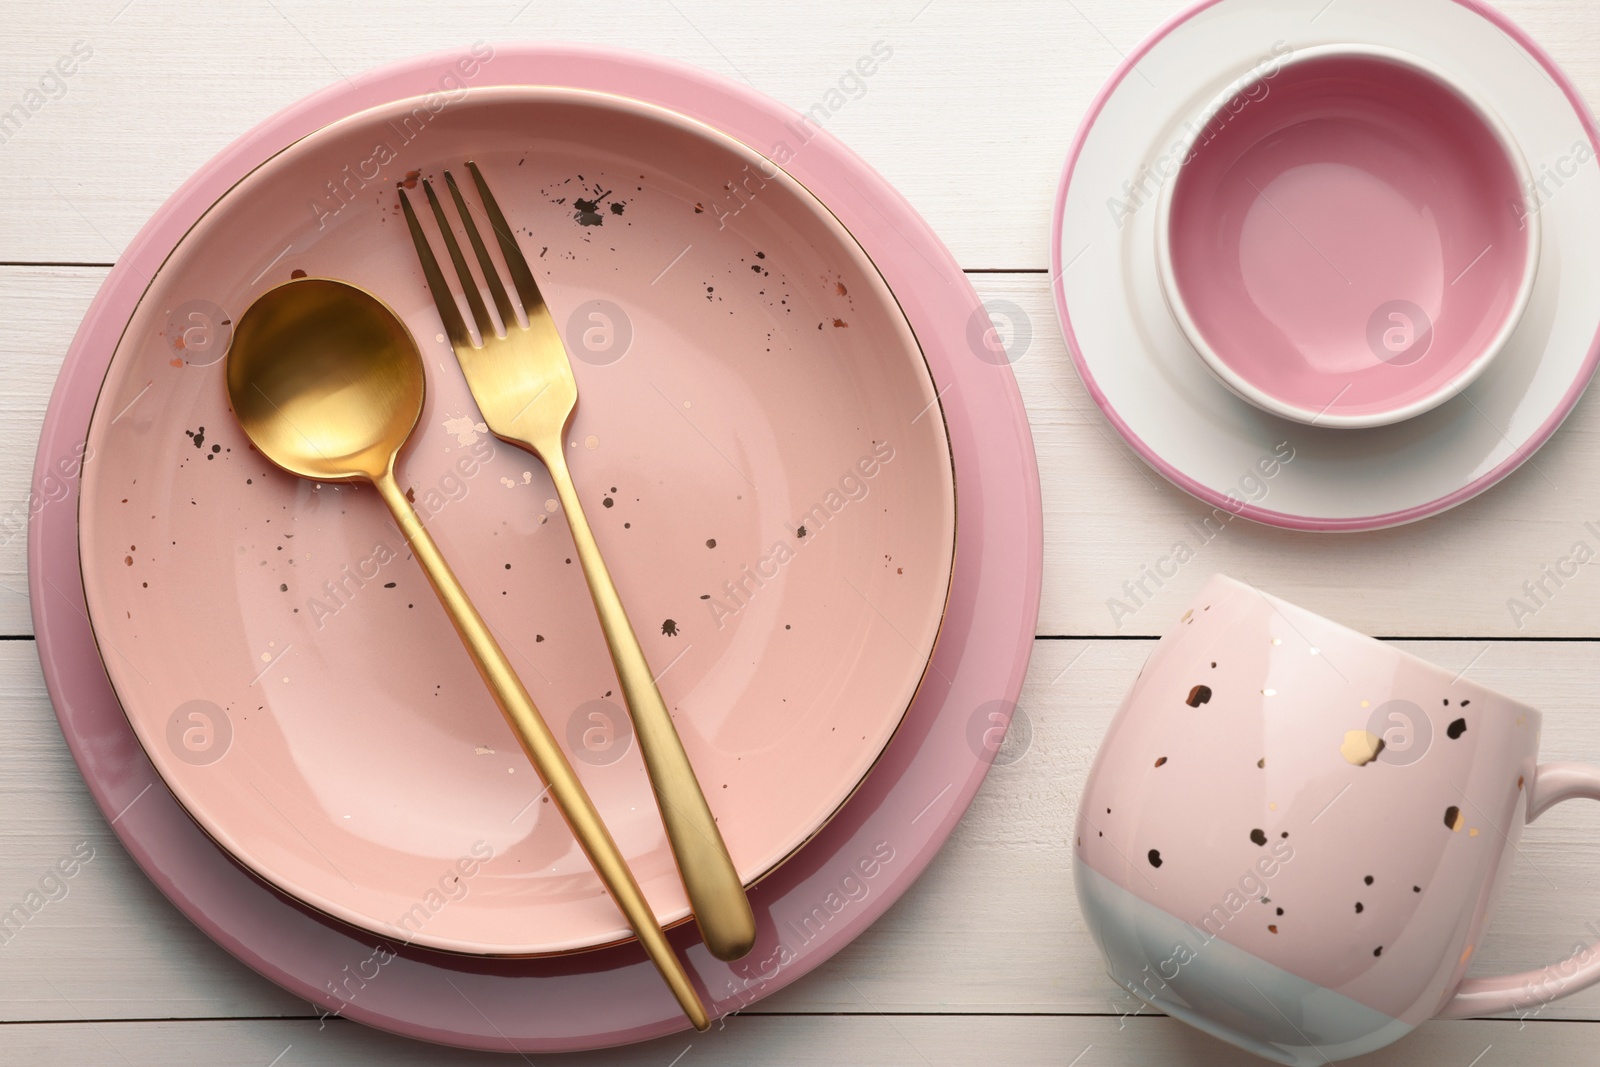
{"points": [[1147, 377]]}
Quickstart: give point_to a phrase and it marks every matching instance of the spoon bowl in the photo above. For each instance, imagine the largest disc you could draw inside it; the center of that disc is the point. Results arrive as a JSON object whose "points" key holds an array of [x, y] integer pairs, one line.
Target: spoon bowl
{"points": [[325, 379]]}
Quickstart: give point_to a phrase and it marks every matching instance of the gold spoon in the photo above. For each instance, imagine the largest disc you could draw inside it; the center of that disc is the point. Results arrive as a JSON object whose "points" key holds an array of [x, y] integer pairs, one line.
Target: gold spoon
{"points": [[328, 383]]}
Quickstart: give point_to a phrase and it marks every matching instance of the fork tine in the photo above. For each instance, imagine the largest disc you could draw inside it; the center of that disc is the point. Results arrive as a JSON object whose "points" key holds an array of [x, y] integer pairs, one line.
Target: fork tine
{"points": [[480, 314], [443, 298], [521, 276], [491, 273]]}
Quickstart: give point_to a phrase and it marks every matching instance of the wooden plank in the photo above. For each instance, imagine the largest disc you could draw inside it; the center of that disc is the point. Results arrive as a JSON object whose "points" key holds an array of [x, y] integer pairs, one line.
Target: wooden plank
{"points": [[1107, 515], [992, 927], [971, 118], [795, 1041]]}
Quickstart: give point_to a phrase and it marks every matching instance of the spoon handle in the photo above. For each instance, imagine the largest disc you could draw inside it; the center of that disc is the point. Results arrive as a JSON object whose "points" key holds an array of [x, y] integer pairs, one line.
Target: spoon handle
{"points": [[571, 799], [712, 883]]}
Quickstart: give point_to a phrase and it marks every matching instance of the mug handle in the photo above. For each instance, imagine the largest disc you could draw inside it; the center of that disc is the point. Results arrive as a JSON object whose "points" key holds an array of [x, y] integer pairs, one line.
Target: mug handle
{"points": [[1552, 783]]}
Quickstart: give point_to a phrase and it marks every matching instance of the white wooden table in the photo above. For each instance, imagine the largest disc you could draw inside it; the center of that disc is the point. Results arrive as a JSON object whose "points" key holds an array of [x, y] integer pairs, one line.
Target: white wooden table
{"points": [[986, 960]]}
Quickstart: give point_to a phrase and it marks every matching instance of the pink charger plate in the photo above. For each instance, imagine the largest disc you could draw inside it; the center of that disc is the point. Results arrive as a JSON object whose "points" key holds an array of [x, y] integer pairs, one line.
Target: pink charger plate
{"points": [[812, 905]]}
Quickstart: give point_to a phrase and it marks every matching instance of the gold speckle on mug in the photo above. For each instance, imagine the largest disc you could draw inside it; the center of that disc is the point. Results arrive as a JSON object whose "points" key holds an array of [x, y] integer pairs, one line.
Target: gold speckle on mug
{"points": [[1466, 954], [1366, 703], [1361, 747], [1472, 832], [1187, 615], [1454, 819], [1277, 640]]}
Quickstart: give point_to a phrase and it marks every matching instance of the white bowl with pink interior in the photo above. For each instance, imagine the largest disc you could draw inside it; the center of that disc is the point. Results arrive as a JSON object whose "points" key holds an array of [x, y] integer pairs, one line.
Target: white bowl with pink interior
{"points": [[1344, 237]]}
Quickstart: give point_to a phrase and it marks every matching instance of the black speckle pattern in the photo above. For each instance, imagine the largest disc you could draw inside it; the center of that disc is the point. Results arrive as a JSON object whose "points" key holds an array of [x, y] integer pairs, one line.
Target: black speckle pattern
{"points": [[1259, 837], [1200, 694], [1456, 729], [1155, 857]]}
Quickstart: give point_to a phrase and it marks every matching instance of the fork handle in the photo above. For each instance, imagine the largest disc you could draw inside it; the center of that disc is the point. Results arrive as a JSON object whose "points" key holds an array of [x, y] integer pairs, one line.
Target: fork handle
{"points": [[571, 799], [716, 893]]}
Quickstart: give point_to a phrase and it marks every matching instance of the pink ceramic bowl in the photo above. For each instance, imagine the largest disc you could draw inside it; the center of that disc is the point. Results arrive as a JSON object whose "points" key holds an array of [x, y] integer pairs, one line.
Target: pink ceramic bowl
{"points": [[1344, 238]]}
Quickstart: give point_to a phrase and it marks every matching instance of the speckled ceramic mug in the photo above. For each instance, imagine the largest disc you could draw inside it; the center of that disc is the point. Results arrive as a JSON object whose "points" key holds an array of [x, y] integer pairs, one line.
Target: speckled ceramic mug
{"points": [[1293, 834]]}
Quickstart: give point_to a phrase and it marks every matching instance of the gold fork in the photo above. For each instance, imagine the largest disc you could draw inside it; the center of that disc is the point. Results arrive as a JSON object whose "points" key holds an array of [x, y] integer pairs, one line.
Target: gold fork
{"points": [[522, 381]]}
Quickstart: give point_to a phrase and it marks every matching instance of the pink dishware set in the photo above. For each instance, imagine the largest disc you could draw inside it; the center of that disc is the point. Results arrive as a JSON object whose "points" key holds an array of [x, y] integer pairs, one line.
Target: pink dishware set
{"points": [[822, 509]]}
